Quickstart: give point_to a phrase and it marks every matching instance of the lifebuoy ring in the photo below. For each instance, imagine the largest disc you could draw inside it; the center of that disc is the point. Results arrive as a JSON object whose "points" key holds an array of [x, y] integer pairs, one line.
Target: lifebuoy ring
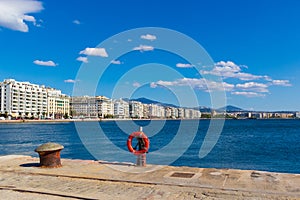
{"points": [[143, 137]]}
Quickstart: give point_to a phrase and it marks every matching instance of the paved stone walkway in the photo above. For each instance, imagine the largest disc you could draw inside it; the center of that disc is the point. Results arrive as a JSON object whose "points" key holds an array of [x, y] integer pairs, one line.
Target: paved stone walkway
{"points": [[21, 178]]}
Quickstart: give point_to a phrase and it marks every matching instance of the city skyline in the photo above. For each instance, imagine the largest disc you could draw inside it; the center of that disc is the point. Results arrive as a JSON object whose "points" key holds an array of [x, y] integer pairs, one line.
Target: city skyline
{"points": [[254, 46], [19, 100]]}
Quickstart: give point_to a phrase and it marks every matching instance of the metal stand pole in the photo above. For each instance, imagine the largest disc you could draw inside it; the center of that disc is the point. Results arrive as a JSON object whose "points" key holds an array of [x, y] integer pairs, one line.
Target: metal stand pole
{"points": [[141, 158]]}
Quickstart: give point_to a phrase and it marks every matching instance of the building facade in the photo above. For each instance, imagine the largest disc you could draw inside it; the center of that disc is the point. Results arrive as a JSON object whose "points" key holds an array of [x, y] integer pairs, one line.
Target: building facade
{"points": [[105, 107], [84, 107], [156, 111], [136, 109], [121, 109], [91, 107], [27, 100], [22, 99], [58, 104]]}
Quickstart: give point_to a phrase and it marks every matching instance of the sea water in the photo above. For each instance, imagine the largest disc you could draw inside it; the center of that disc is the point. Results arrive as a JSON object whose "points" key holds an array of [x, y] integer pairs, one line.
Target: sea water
{"points": [[270, 145]]}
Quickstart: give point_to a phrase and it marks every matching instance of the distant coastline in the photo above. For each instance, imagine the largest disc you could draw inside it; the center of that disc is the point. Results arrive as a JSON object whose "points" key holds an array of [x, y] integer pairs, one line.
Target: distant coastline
{"points": [[129, 119]]}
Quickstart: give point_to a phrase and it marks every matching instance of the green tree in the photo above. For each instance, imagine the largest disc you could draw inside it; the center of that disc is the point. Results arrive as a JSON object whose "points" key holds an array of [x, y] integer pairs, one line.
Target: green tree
{"points": [[6, 114], [66, 116]]}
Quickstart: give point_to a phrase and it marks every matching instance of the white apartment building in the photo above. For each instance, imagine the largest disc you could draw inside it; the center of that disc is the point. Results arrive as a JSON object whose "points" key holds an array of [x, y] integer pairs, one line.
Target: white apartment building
{"points": [[180, 113], [91, 107], [168, 112], [58, 104], [156, 111], [105, 107], [171, 112], [174, 112], [197, 114], [187, 113], [121, 109], [136, 109], [84, 107], [146, 111], [192, 114], [20, 99]]}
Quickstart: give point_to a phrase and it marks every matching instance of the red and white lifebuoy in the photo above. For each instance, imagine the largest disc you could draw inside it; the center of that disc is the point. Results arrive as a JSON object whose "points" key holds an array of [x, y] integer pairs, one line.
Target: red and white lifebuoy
{"points": [[145, 139]]}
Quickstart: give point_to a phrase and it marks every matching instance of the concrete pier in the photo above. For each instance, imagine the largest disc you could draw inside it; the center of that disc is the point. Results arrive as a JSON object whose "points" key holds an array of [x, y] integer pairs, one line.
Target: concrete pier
{"points": [[21, 178]]}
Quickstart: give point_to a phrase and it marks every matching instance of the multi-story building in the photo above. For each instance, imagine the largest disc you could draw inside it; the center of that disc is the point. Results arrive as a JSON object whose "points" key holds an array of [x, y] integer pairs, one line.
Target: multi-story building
{"points": [[187, 113], [22, 99], [84, 107], [180, 113], [197, 114], [156, 111], [146, 111], [58, 104], [121, 109], [105, 106], [192, 114], [283, 115], [168, 112], [136, 109], [91, 107]]}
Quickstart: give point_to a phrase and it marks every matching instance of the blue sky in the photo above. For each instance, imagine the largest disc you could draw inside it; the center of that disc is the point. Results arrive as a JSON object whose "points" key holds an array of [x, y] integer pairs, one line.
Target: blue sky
{"points": [[254, 45]]}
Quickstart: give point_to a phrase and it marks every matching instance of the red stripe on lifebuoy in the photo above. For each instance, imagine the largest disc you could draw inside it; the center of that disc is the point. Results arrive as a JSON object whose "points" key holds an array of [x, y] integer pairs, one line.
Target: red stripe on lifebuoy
{"points": [[138, 135]]}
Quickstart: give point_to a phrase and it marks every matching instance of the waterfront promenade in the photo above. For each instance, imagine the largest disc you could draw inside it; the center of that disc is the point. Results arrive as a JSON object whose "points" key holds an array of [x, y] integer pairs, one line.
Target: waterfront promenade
{"points": [[21, 178]]}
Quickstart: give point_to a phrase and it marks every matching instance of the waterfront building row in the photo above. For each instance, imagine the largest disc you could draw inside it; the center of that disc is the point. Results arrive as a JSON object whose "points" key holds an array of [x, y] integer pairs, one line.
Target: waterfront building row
{"points": [[262, 115], [103, 107], [27, 100]]}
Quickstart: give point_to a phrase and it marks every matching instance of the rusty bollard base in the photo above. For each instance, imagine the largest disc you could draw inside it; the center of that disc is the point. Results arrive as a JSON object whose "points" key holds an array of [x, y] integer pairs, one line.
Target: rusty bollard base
{"points": [[49, 154]]}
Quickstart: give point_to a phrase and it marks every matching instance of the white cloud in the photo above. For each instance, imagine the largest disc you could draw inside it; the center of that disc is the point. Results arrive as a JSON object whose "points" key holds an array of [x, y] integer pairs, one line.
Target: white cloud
{"points": [[227, 70], [247, 76], [254, 87], [49, 63], [281, 82], [144, 48], [70, 81], [184, 65], [82, 59], [116, 62], [148, 37], [201, 84], [153, 85], [94, 52], [230, 70], [13, 13], [249, 94], [136, 84], [76, 21]]}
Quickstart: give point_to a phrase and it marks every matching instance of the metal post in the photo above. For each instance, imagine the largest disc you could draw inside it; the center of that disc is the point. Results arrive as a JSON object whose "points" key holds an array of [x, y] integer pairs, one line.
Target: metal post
{"points": [[141, 158]]}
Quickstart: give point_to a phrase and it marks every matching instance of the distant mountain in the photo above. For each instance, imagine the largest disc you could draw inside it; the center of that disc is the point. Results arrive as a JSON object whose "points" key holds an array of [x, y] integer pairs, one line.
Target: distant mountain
{"points": [[202, 109], [230, 108], [149, 101]]}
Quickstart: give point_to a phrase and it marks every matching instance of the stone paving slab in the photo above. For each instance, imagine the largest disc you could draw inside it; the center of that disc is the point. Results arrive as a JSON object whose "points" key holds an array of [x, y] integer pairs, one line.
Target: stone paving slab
{"points": [[20, 176]]}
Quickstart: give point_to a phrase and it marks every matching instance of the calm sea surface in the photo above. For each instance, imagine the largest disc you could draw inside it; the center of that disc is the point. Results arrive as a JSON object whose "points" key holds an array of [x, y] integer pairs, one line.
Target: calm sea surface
{"points": [[271, 145]]}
